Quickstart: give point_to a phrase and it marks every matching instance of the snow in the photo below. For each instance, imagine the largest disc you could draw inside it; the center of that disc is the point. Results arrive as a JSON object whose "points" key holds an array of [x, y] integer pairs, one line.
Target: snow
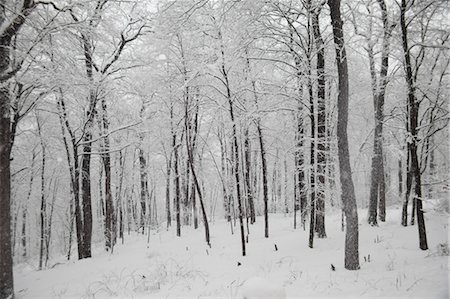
{"points": [[257, 287], [171, 267]]}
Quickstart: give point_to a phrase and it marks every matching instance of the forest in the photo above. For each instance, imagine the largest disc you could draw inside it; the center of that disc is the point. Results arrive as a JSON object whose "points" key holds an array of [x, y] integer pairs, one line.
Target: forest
{"points": [[221, 148]]}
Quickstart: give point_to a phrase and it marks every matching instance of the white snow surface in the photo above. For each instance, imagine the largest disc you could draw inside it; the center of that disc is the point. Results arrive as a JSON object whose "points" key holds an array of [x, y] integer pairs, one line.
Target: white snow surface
{"points": [[185, 267], [257, 287]]}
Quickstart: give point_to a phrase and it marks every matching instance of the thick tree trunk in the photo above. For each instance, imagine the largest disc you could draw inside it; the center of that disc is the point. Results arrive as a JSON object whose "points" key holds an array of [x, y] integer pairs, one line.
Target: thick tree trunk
{"points": [[348, 191], [6, 263]]}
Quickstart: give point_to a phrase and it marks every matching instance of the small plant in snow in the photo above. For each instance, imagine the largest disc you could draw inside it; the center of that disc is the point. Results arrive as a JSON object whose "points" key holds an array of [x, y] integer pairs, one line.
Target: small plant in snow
{"points": [[442, 249], [390, 264], [378, 239]]}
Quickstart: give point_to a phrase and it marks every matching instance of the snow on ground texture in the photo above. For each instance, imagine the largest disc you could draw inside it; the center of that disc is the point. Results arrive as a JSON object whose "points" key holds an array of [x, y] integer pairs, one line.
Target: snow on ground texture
{"points": [[171, 267]]}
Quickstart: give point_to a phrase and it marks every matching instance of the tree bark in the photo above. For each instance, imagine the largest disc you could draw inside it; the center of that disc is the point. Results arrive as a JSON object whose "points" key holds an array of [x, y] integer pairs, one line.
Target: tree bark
{"points": [[106, 158], [377, 197], [413, 106], [321, 126], [348, 192], [6, 263], [264, 177], [312, 210], [43, 209]]}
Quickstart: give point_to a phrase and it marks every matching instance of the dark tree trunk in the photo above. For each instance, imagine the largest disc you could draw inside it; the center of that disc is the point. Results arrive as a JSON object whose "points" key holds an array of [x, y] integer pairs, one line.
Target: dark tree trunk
{"points": [[400, 177], [43, 209], [377, 199], [6, 263], [413, 105], [169, 169], [248, 184], [321, 127], [264, 177], [224, 72], [106, 158], [176, 179], [312, 211], [408, 187], [144, 186], [300, 169], [348, 191], [382, 192]]}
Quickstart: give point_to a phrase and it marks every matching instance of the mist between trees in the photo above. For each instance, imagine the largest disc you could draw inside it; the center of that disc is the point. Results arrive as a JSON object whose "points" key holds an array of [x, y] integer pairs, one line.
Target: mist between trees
{"points": [[132, 116]]}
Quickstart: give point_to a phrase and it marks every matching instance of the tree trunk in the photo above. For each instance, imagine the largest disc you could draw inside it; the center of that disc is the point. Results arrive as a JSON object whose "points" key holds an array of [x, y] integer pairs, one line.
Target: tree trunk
{"points": [[377, 197], [25, 207], [106, 159], [321, 127], [248, 184], [348, 191], [264, 177], [43, 209], [6, 263], [168, 171], [413, 105], [48, 236], [144, 191], [223, 70], [176, 182], [408, 187], [312, 211]]}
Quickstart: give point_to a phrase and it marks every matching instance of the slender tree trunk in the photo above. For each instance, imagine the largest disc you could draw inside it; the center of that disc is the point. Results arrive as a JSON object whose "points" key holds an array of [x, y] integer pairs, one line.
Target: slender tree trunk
{"points": [[408, 188], [312, 211], [48, 235], [43, 210], [264, 177], [248, 184], [106, 158], [286, 199], [321, 127], [144, 191], [413, 122], [168, 172], [25, 207], [382, 192], [377, 190], [235, 145], [348, 191], [176, 183], [400, 177]]}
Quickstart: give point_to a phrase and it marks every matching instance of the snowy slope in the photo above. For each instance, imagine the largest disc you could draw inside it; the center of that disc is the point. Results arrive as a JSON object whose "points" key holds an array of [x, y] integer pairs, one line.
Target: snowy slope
{"points": [[172, 267]]}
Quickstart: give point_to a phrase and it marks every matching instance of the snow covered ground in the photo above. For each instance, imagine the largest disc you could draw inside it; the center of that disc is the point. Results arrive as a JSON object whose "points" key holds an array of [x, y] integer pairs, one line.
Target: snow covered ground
{"points": [[170, 267]]}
